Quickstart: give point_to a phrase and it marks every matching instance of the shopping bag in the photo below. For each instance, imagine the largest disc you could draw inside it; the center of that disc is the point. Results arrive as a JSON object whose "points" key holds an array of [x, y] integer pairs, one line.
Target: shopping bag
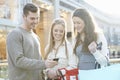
{"points": [[71, 74], [111, 72]]}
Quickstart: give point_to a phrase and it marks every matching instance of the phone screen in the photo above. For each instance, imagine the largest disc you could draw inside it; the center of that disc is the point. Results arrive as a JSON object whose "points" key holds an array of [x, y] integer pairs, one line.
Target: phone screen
{"points": [[55, 59]]}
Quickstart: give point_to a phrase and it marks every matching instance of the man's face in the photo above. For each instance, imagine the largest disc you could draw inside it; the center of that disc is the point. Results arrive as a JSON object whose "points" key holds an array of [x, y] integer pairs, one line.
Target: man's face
{"points": [[31, 20]]}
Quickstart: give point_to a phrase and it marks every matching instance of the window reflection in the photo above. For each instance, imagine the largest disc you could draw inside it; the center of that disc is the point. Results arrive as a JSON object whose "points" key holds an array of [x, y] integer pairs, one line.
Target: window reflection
{"points": [[2, 44], [4, 10]]}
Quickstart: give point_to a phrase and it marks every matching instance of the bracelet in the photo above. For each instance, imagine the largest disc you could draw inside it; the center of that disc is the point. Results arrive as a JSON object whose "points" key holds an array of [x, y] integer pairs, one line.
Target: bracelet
{"points": [[47, 72], [57, 73]]}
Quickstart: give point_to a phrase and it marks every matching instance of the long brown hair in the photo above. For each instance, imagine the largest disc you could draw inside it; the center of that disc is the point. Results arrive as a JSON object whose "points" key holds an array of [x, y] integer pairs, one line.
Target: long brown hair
{"points": [[89, 29]]}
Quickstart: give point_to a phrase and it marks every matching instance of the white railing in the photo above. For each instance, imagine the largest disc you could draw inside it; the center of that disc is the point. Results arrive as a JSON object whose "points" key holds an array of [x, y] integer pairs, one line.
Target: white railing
{"points": [[116, 60], [3, 70], [4, 65]]}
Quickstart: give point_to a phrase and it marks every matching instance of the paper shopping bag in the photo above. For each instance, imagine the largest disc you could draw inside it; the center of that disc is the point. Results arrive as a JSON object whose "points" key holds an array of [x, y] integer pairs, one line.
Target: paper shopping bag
{"points": [[68, 74]]}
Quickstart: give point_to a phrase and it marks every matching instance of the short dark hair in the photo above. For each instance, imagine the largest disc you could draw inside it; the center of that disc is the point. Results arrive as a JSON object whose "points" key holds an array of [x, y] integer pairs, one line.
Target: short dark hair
{"points": [[29, 7]]}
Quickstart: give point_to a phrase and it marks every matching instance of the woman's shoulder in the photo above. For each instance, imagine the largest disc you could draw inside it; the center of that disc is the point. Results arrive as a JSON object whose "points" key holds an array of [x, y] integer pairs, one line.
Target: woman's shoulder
{"points": [[101, 37], [68, 43]]}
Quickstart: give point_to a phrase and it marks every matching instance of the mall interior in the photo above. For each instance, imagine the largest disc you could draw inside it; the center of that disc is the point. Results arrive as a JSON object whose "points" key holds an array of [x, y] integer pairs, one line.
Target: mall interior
{"points": [[10, 17]]}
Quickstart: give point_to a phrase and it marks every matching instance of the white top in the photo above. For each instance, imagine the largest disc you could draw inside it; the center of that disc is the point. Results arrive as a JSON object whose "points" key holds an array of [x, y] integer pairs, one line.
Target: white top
{"points": [[64, 62]]}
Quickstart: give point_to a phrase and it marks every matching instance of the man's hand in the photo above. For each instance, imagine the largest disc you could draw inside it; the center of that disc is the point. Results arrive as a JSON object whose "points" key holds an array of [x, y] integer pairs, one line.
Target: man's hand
{"points": [[50, 63]]}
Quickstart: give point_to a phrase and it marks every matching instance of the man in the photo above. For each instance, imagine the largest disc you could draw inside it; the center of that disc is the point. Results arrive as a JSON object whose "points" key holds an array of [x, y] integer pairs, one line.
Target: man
{"points": [[23, 48]]}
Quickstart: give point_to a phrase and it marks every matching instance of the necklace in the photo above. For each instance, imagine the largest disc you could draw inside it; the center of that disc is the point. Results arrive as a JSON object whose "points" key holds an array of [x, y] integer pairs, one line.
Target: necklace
{"points": [[56, 49]]}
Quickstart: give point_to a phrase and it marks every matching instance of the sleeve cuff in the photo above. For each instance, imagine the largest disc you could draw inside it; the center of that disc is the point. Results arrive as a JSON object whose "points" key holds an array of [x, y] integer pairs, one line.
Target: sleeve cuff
{"points": [[97, 54]]}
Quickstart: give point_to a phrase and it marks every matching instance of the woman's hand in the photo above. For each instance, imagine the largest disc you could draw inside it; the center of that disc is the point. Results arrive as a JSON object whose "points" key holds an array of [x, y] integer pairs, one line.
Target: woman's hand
{"points": [[92, 47]]}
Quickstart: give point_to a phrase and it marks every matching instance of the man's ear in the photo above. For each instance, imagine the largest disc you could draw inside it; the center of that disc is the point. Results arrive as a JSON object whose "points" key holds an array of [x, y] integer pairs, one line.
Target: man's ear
{"points": [[24, 16]]}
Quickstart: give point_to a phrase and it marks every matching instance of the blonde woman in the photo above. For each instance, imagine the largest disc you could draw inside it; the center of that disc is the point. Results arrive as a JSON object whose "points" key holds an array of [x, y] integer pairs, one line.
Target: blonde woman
{"points": [[59, 48]]}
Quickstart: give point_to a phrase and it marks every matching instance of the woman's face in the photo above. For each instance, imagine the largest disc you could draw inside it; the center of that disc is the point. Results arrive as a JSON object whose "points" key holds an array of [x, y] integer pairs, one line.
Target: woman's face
{"points": [[78, 24], [58, 32]]}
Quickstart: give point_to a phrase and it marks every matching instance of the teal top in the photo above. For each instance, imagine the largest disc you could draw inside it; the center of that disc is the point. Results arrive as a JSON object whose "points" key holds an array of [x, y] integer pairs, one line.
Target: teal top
{"points": [[86, 61]]}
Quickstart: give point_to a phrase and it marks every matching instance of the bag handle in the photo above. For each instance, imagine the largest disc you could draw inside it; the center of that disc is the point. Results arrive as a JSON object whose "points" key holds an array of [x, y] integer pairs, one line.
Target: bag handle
{"points": [[61, 75]]}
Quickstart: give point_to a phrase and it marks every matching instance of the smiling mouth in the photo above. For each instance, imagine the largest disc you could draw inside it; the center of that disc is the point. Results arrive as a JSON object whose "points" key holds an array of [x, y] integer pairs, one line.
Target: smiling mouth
{"points": [[58, 36]]}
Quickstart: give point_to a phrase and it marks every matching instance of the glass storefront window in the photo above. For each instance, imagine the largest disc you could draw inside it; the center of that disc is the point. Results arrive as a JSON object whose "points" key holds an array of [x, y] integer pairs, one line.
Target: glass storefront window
{"points": [[2, 44], [3, 61], [4, 10]]}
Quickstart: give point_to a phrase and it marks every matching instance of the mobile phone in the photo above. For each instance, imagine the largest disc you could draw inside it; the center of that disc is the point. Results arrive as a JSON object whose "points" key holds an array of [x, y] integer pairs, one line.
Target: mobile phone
{"points": [[99, 46], [55, 59]]}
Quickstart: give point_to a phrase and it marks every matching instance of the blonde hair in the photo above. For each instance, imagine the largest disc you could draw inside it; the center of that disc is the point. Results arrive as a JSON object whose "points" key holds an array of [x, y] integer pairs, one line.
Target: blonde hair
{"points": [[51, 43]]}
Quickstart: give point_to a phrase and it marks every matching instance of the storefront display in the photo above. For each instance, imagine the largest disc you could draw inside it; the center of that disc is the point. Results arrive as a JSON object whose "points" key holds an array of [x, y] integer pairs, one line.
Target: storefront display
{"points": [[4, 10], [2, 44]]}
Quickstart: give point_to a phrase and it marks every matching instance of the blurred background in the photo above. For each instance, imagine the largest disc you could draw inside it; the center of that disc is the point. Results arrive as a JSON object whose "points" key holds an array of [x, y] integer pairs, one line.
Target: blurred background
{"points": [[106, 13]]}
